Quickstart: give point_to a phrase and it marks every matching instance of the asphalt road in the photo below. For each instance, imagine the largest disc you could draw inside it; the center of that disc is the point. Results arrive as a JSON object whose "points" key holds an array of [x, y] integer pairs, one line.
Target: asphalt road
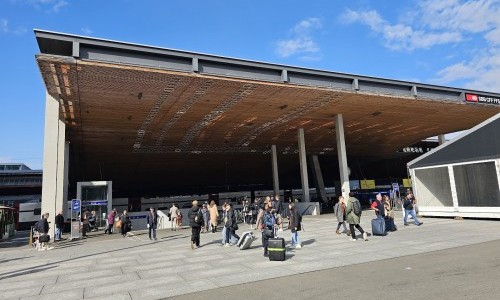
{"points": [[469, 272]]}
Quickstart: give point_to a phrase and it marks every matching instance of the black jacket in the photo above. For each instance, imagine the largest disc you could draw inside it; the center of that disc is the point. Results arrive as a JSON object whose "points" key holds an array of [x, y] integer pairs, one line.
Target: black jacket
{"points": [[152, 219], [295, 221], [231, 219], [59, 221], [192, 214], [45, 226]]}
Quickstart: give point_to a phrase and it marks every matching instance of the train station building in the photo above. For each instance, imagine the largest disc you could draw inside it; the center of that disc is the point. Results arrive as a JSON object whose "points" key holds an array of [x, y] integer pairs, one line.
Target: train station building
{"points": [[156, 121]]}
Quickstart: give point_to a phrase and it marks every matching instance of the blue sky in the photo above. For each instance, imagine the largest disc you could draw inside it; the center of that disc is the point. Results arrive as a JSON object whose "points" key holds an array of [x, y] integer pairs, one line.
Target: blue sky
{"points": [[446, 42]]}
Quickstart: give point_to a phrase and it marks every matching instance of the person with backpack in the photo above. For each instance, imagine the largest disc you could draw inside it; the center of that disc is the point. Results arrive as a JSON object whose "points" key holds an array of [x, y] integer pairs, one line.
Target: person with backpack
{"points": [[295, 225], [339, 212], [195, 221], [353, 214], [231, 224]]}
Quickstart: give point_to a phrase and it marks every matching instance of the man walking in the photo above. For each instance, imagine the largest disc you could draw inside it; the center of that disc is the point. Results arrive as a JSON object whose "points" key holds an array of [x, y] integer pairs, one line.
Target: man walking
{"points": [[59, 226], [152, 222], [195, 221], [408, 204], [231, 224], [111, 221]]}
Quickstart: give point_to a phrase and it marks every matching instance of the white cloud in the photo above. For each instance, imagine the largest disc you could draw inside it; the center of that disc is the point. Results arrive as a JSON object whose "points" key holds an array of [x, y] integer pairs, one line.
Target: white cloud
{"points": [[481, 73], [399, 36], [4, 26], [87, 31], [301, 40], [440, 22], [51, 5]]}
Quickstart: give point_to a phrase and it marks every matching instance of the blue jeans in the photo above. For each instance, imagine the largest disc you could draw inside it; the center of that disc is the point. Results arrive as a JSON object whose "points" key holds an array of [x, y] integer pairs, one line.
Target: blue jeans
{"points": [[58, 234], [411, 212], [295, 238]]}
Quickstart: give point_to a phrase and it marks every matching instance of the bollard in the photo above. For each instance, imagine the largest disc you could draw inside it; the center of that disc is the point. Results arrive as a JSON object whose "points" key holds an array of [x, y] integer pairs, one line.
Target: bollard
{"points": [[31, 236]]}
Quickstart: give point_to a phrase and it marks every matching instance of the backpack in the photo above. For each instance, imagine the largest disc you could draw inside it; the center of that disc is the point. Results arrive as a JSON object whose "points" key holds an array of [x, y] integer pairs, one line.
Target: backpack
{"points": [[38, 226], [356, 207], [199, 217]]}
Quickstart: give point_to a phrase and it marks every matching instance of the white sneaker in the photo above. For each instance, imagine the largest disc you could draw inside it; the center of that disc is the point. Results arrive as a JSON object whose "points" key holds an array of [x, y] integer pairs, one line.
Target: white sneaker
{"points": [[352, 240], [365, 236], [227, 245], [298, 246]]}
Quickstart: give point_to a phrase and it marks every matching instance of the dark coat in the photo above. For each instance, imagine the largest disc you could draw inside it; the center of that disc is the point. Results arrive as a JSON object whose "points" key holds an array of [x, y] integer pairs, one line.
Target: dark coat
{"points": [[45, 226], [295, 221], [59, 221], [231, 219], [152, 219], [191, 215]]}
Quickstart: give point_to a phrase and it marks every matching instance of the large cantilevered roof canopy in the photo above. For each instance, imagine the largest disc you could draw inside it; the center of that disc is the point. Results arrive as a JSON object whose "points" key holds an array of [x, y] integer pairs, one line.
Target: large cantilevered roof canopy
{"points": [[134, 107]]}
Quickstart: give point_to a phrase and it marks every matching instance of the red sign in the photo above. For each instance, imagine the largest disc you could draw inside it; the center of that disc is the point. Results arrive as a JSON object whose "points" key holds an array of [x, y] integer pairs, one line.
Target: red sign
{"points": [[471, 97], [482, 99]]}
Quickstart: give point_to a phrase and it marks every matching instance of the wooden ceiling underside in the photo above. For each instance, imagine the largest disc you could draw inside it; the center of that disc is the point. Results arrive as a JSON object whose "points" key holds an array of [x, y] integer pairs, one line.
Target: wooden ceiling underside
{"points": [[112, 109]]}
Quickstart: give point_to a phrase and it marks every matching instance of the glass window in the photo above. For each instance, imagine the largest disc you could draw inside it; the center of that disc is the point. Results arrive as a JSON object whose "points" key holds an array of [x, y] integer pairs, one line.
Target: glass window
{"points": [[477, 185]]}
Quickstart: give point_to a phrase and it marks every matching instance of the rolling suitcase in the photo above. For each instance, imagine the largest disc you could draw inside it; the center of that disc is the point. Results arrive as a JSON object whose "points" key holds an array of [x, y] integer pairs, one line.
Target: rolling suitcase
{"points": [[276, 249], [378, 226], [246, 240]]}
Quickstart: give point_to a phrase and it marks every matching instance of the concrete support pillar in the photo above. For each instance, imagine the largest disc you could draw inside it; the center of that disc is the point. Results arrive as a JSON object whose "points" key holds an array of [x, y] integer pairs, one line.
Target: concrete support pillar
{"points": [[303, 166], [341, 152], [53, 162], [65, 206], [274, 161], [441, 139], [318, 178]]}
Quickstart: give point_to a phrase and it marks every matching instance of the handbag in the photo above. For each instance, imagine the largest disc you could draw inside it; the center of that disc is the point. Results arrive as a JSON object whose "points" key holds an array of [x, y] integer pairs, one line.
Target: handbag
{"points": [[268, 233], [235, 226], [118, 224], [44, 238]]}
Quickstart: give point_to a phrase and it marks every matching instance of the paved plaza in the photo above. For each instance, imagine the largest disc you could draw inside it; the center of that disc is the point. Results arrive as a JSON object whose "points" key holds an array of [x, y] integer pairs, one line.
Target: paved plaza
{"points": [[112, 267]]}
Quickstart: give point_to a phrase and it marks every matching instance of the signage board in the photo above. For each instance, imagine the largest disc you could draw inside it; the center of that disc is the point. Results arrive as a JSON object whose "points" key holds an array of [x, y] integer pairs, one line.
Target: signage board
{"points": [[367, 184], [75, 205], [482, 99]]}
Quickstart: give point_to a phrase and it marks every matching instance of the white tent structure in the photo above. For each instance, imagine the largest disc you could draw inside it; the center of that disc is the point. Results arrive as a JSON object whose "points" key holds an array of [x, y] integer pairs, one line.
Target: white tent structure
{"points": [[461, 178]]}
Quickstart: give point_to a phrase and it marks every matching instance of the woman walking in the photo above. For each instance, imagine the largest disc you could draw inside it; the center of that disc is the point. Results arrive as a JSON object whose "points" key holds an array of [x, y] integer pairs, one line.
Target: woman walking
{"points": [[352, 218], [214, 215], [339, 212]]}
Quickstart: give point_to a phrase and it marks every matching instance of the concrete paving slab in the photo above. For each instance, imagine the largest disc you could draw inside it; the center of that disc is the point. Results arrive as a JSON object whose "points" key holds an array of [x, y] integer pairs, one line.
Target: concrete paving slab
{"points": [[105, 265], [66, 295]]}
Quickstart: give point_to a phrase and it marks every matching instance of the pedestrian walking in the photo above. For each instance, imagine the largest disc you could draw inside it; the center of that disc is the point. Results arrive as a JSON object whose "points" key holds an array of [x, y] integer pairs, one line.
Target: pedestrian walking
{"points": [[231, 225], [126, 224], [353, 214], [152, 222], [340, 213], [111, 221], [269, 222], [59, 221], [174, 215], [214, 215], [408, 205], [195, 221], [295, 225]]}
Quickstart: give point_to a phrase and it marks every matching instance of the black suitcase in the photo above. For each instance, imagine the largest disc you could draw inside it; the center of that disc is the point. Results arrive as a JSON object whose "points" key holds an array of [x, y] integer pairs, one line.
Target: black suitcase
{"points": [[276, 249]]}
